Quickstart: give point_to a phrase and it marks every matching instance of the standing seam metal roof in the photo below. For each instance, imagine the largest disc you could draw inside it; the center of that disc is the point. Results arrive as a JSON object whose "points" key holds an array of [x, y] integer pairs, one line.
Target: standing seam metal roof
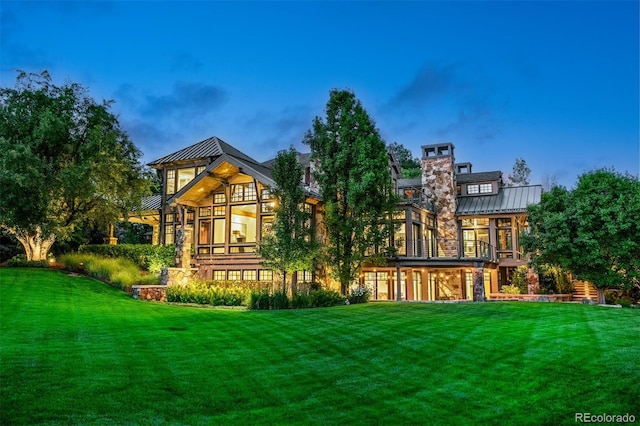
{"points": [[509, 200], [210, 147]]}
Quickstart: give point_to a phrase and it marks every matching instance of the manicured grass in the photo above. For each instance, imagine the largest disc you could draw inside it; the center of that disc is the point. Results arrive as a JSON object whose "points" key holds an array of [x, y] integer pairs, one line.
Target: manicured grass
{"points": [[76, 351]]}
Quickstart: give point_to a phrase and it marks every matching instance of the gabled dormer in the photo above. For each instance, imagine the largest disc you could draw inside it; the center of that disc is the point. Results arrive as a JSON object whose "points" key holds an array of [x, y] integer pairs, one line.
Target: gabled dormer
{"points": [[482, 183]]}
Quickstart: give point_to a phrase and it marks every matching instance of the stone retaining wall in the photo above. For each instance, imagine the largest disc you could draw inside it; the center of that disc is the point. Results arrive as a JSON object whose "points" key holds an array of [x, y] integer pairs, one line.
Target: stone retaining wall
{"points": [[150, 292]]}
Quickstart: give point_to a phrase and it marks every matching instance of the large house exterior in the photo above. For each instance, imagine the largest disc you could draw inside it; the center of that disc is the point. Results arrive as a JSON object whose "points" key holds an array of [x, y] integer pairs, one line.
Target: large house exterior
{"points": [[455, 227]]}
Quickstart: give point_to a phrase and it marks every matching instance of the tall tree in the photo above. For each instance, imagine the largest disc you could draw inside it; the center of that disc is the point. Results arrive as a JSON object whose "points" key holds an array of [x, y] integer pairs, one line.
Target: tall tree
{"points": [[290, 247], [64, 160], [592, 231], [409, 165], [352, 171], [520, 173]]}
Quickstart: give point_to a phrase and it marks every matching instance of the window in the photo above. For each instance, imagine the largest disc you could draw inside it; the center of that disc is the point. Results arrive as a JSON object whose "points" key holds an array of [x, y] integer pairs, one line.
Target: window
{"points": [[243, 192], [233, 275], [486, 188], [475, 237], [171, 182], [200, 169], [417, 286], [249, 275], [400, 240], [168, 234], [268, 207], [473, 189], [219, 275], [266, 194], [185, 176], [243, 223], [504, 238], [219, 198], [219, 231], [267, 225], [205, 232], [266, 275], [205, 211], [219, 211]]}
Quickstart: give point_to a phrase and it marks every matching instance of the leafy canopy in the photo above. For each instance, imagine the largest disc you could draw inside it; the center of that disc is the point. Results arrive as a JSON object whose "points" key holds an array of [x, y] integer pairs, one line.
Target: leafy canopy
{"points": [[352, 171], [409, 165], [592, 231], [290, 247], [63, 159]]}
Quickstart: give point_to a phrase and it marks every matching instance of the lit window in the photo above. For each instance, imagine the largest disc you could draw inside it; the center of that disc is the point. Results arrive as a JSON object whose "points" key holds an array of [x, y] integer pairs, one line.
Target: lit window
{"points": [[486, 188], [249, 275], [266, 275], [243, 192], [219, 198], [233, 275], [184, 177], [473, 189], [168, 234], [200, 169], [219, 275], [171, 181], [243, 223], [205, 211], [218, 211]]}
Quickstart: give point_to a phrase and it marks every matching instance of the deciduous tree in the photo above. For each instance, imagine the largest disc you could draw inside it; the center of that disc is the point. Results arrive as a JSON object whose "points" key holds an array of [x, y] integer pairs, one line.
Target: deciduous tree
{"points": [[290, 247], [352, 171], [592, 231], [520, 173], [409, 165], [63, 160]]}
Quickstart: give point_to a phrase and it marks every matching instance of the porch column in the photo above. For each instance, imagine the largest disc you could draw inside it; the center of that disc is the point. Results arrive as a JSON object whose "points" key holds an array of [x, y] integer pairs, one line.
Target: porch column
{"points": [[111, 239], [155, 235], [478, 284]]}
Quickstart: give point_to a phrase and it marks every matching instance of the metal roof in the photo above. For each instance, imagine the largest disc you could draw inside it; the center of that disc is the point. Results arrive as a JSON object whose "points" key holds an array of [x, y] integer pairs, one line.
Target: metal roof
{"points": [[513, 199], [478, 177], [152, 202], [210, 147]]}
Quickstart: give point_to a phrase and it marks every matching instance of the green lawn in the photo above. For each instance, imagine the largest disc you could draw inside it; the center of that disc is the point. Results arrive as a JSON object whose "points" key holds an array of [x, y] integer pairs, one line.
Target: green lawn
{"points": [[76, 351]]}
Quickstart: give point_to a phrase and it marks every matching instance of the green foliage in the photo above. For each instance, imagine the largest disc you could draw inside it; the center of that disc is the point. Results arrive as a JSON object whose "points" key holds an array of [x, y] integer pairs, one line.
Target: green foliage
{"points": [[352, 171], [69, 154], [264, 300], [290, 246], [519, 279], [119, 272], [216, 292], [409, 165], [146, 256], [260, 300], [592, 231], [20, 261], [359, 295], [520, 174], [510, 289], [553, 280]]}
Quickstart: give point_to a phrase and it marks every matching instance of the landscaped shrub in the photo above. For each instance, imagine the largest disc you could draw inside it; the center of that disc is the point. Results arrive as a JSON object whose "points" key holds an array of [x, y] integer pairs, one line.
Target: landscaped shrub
{"points": [[146, 256], [20, 261], [358, 295], [279, 300], [259, 300], [217, 293], [301, 301], [122, 273], [553, 280], [325, 298], [510, 289], [519, 279]]}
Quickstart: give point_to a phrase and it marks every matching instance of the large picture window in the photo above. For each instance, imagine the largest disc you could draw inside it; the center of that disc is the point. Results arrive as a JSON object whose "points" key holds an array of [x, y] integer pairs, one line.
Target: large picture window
{"points": [[243, 223]]}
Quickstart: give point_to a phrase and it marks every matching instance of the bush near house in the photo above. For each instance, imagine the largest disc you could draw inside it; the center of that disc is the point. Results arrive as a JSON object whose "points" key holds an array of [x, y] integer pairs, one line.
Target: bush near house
{"points": [[215, 292], [148, 257], [20, 261], [119, 272], [314, 298]]}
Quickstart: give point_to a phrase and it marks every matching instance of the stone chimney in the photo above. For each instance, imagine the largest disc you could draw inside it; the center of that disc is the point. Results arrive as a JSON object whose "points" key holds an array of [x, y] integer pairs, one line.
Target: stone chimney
{"points": [[438, 183]]}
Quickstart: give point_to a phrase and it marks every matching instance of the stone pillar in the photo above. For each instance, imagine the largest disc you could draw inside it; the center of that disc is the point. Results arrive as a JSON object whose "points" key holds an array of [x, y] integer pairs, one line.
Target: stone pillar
{"points": [[155, 235], [111, 239], [438, 183], [478, 284]]}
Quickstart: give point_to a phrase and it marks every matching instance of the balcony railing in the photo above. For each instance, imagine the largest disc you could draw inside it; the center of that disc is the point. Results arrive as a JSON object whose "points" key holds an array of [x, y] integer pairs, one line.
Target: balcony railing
{"points": [[446, 248]]}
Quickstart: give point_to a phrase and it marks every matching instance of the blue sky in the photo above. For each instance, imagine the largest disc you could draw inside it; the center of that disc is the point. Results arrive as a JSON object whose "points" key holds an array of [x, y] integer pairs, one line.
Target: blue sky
{"points": [[556, 83]]}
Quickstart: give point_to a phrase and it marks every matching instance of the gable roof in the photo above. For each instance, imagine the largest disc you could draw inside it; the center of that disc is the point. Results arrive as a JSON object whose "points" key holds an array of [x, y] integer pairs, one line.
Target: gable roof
{"points": [[478, 177], [513, 199], [304, 158], [208, 148]]}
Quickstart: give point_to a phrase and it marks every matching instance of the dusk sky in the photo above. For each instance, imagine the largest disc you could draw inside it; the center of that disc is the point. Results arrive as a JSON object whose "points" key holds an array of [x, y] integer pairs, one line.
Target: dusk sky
{"points": [[556, 83]]}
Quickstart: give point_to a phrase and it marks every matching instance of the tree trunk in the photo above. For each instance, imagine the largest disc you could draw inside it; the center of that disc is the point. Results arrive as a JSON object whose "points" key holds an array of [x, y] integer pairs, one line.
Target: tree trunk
{"points": [[601, 300], [478, 285], [35, 246]]}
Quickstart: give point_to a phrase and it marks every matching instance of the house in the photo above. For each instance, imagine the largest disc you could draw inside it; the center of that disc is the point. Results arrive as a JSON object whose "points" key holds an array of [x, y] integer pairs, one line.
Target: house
{"points": [[454, 226]]}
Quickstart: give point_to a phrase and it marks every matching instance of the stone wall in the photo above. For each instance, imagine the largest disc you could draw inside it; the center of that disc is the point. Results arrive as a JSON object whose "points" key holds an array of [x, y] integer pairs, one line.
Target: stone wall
{"points": [[177, 276], [150, 292], [438, 182]]}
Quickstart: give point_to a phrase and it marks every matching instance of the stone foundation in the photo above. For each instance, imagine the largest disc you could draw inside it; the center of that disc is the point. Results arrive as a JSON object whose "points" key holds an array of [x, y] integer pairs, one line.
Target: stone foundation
{"points": [[150, 292], [177, 276]]}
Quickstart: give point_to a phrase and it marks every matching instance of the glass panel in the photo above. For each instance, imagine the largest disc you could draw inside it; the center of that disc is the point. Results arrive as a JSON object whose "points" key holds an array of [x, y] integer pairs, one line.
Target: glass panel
{"points": [[233, 275], [205, 232], [185, 176], [200, 169], [266, 275], [448, 285], [504, 239], [205, 211], [249, 275], [400, 239], [219, 198], [382, 286], [171, 181], [218, 211], [219, 275], [417, 285], [243, 192], [504, 223], [486, 188], [473, 189], [168, 234], [243, 223], [218, 231]]}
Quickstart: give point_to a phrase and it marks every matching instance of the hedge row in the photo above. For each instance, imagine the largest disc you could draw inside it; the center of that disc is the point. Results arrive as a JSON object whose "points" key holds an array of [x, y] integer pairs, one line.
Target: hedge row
{"points": [[146, 256]]}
